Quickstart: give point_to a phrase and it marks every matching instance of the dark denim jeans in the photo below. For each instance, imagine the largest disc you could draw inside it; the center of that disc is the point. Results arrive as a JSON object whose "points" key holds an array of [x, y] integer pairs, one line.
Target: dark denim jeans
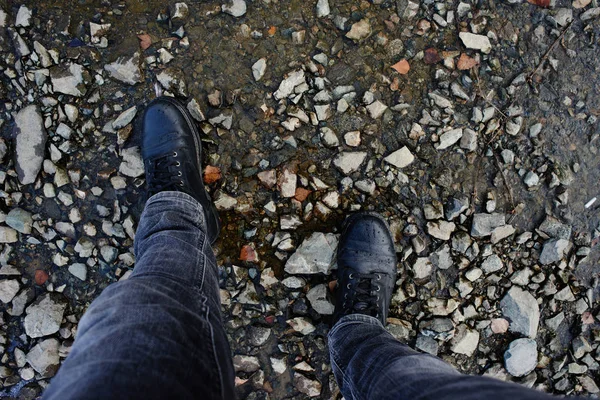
{"points": [[159, 334]]}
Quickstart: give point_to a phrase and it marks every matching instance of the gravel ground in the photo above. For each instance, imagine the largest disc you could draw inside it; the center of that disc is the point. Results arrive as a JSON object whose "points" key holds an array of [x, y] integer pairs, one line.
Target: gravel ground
{"points": [[471, 125]]}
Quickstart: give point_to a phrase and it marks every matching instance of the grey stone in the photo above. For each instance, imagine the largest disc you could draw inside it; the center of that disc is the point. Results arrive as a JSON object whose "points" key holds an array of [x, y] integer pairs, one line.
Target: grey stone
{"points": [[224, 202], [315, 255], [236, 8], [301, 325], [8, 290], [311, 388], [125, 118], [43, 358], [8, 235], [400, 158], [349, 162], [531, 179], [427, 344], [441, 258], [30, 143], [468, 141], [78, 270], [23, 17], [20, 220], [422, 268], [521, 357], [554, 250], [258, 335], [359, 30], [245, 363], [287, 86], [44, 316], [465, 341], [69, 79], [376, 109], [441, 229], [173, 80], [449, 138], [195, 111], [590, 14], [522, 311], [440, 100], [323, 9], [484, 224], [476, 42], [456, 205], [132, 164], [126, 69], [492, 264], [501, 232], [317, 296], [555, 229]]}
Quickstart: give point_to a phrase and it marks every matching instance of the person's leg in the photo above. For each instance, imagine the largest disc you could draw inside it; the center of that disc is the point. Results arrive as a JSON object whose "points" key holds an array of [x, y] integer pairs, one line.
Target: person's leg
{"points": [[369, 363], [159, 333]]}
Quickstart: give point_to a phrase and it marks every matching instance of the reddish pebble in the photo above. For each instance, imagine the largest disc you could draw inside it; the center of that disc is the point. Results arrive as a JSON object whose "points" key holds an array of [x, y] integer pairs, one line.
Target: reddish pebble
{"points": [[248, 254], [41, 277]]}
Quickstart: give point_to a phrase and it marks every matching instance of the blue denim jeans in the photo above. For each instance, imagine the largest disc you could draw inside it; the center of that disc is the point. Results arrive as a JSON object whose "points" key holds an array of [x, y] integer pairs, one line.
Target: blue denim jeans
{"points": [[159, 334]]}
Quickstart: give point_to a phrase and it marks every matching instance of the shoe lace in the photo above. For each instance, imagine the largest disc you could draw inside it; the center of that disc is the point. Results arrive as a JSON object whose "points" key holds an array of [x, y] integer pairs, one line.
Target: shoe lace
{"points": [[363, 297], [165, 173]]}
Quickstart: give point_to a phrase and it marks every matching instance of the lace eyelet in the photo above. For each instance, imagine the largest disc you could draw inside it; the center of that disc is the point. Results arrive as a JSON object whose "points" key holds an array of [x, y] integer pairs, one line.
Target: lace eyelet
{"points": [[348, 286], [377, 297], [378, 288], [179, 173], [178, 164], [174, 154], [378, 277], [346, 296], [351, 276], [181, 183]]}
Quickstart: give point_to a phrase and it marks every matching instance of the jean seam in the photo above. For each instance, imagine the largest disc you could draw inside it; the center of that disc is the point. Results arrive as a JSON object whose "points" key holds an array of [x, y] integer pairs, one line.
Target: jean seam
{"points": [[346, 381], [214, 350]]}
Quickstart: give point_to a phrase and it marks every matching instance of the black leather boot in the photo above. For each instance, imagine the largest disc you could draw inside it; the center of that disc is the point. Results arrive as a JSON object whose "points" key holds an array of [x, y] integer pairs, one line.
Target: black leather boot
{"points": [[366, 271], [172, 154]]}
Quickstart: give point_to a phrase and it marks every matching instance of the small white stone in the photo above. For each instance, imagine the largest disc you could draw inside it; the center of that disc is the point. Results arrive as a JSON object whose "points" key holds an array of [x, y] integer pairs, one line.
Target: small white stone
{"points": [[259, 68]]}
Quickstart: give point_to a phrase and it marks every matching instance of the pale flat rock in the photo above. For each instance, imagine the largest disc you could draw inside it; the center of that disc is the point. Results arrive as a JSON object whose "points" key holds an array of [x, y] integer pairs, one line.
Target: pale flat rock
{"points": [[287, 86], [31, 139], [259, 68], [476, 42], [465, 341], [8, 290], [521, 357], [132, 164], [44, 317], [360, 30], [349, 162], [125, 118], [315, 255], [235, 8], [522, 311], [126, 69], [317, 297], [400, 158], [449, 138], [69, 79], [44, 358]]}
